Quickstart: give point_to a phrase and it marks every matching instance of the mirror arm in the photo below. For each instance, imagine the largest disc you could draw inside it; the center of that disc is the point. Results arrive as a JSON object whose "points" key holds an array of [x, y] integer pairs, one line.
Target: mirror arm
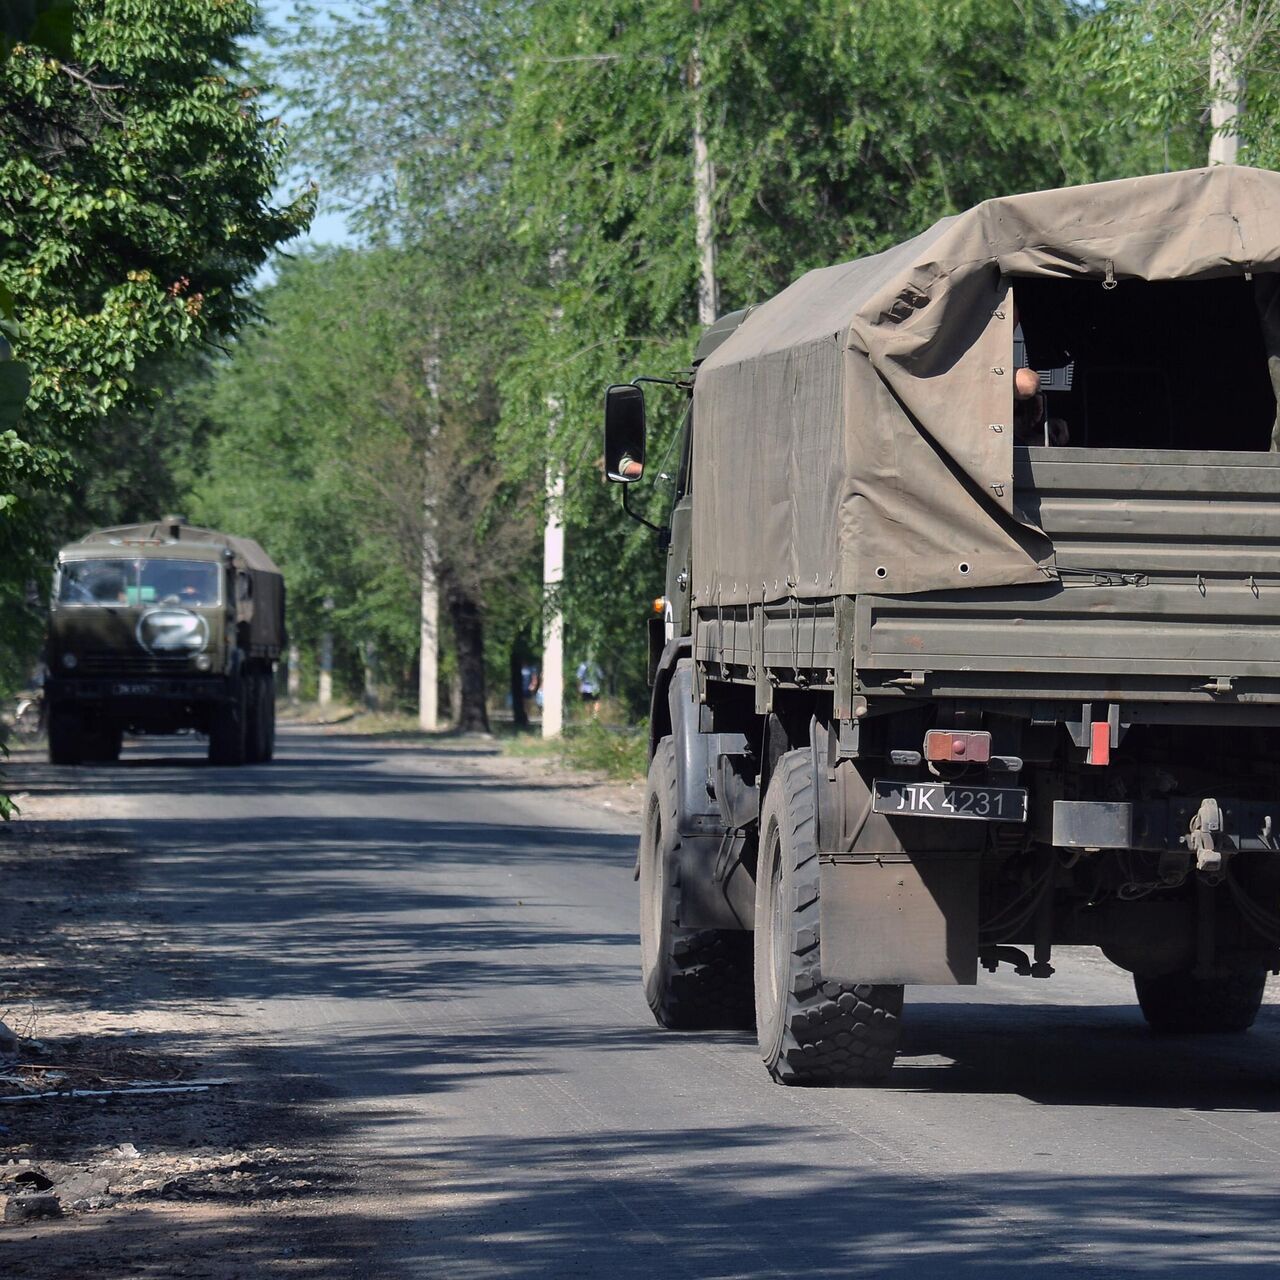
{"points": [[662, 382], [635, 515]]}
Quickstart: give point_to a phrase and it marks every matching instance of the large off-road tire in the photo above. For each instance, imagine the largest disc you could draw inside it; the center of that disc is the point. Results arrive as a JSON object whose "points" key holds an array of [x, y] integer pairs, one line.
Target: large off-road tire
{"points": [[228, 730], [259, 726], [66, 738], [268, 716], [811, 1031], [1177, 1003], [103, 743], [694, 979]]}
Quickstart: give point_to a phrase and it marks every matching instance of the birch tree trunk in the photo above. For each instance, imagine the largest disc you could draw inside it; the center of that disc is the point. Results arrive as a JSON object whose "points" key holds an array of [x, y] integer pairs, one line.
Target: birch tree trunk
{"points": [[703, 193], [553, 558], [429, 619], [1226, 85], [553, 625], [429, 634]]}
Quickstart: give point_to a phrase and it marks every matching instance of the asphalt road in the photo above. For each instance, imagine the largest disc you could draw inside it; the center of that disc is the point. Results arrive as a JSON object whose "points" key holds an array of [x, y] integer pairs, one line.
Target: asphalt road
{"points": [[446, 959]]}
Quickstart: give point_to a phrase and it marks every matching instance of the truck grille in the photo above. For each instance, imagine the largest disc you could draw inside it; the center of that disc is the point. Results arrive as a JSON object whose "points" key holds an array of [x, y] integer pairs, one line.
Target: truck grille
{"points": [[132, 664]]}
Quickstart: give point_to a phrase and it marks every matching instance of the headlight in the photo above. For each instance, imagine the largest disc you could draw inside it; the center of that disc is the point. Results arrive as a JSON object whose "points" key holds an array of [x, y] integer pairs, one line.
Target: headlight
{"points": [[69, 660], [204, 662]]}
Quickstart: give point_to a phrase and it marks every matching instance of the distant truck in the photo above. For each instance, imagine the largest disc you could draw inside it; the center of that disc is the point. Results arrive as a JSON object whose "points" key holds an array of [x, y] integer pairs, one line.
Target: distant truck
{"points": [[157, 628], [944, 676]]}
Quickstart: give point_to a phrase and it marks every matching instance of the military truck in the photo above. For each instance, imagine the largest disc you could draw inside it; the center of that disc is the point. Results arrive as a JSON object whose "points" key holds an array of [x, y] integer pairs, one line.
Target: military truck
{"points": [[937, 687], [157, 628]]}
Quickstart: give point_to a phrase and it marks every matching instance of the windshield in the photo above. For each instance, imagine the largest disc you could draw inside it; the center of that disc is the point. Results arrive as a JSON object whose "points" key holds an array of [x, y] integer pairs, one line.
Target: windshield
{"points": [[140, 581]]}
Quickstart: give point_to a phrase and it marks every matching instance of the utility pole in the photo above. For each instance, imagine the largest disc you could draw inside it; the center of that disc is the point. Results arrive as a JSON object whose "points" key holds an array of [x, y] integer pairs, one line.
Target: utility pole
{"points": [[1226, 87], [704, 190], [553, 554], [429, 619]]}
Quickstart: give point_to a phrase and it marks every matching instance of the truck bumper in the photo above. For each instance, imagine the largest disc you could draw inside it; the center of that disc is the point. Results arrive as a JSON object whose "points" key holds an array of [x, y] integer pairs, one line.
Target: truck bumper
{"points": [[128, 693], [1157, 826]]}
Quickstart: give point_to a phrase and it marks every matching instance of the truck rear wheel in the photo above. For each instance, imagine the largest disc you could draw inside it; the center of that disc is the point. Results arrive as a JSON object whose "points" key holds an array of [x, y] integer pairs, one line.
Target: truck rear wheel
{"points": [[269, 716], [694, 979], [260, 724], [811, 1031], [66, 738], [1177, 1003]]}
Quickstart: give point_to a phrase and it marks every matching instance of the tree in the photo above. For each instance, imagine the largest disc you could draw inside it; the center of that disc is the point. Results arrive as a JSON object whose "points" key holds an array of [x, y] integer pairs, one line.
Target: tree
{"points": [[1150, 61], [136, 180], [832, 131], [334, 419]]}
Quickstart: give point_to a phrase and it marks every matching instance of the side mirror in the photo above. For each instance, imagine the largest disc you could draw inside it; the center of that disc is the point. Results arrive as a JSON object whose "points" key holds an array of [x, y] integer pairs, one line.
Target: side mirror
{"points": [[624, 433]]}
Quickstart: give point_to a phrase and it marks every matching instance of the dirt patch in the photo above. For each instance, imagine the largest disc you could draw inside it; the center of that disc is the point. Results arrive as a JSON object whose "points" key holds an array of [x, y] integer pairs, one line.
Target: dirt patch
{"points": [[173, 1144]]}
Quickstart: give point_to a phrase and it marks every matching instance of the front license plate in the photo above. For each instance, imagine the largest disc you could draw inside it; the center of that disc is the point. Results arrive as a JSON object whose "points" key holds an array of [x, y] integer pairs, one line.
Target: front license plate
{"points": [[123, 690], [950, 800]]}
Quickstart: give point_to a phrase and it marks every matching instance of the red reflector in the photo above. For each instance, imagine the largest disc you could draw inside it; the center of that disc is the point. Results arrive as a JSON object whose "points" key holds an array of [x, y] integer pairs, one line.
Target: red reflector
{"points": [[1099, 743], [957, 744]]}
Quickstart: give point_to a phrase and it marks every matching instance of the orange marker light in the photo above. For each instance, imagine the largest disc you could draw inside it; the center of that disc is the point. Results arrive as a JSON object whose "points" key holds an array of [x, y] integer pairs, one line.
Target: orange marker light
{"points": [[660, 604], [959, 745]]}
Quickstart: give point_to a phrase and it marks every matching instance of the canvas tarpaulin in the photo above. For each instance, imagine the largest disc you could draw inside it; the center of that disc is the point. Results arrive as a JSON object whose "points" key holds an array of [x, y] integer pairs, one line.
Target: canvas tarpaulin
{"points": [[856, 432]]}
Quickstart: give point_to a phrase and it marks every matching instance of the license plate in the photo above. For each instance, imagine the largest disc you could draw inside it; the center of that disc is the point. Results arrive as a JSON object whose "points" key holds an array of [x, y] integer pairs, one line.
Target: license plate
{"points": [[123, 690], [950, 800]]}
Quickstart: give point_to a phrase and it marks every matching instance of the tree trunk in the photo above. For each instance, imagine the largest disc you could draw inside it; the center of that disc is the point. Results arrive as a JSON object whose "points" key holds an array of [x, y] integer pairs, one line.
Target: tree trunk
{"points": [[467, 624], [1226, 82], [703, 194]]}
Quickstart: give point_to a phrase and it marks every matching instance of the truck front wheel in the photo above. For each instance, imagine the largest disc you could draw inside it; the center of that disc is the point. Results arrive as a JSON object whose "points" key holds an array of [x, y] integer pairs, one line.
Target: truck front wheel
{"points": [[694, 979], [811, 1031], [66, 738], [1178, 1003]]}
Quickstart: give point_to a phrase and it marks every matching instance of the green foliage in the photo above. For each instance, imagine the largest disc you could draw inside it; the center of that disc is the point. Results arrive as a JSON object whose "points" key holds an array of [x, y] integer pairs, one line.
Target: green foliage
{"points": [[1149, 60], [539, 156], [46, 24], [136, 178], [834, 130], [345, 427], [615, 750]]}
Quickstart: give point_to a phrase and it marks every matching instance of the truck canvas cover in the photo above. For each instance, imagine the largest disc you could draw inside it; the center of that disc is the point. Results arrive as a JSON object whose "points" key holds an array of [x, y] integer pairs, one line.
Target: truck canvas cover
{"points": [[855, 433]]}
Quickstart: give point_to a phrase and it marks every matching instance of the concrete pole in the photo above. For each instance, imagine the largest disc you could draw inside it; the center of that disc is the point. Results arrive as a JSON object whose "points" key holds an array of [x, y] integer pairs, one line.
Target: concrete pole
{"points": [[294, 676], [1226, 85], [704, 189], [552, 577]]}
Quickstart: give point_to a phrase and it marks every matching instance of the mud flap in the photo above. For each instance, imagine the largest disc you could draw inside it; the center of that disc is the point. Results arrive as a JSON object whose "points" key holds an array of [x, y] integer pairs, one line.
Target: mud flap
{"points": [[890, 918], [899, 894]]}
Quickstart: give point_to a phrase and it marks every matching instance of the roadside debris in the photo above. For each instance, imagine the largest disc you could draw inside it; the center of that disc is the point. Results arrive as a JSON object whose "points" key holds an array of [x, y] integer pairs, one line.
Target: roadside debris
{"points": [[32, 1204], [128, 1091]]}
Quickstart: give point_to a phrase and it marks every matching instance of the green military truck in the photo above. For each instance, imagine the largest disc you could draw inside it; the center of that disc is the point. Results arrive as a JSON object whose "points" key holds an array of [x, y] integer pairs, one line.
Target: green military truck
{"points": [[158, 628], [947, 677]]}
